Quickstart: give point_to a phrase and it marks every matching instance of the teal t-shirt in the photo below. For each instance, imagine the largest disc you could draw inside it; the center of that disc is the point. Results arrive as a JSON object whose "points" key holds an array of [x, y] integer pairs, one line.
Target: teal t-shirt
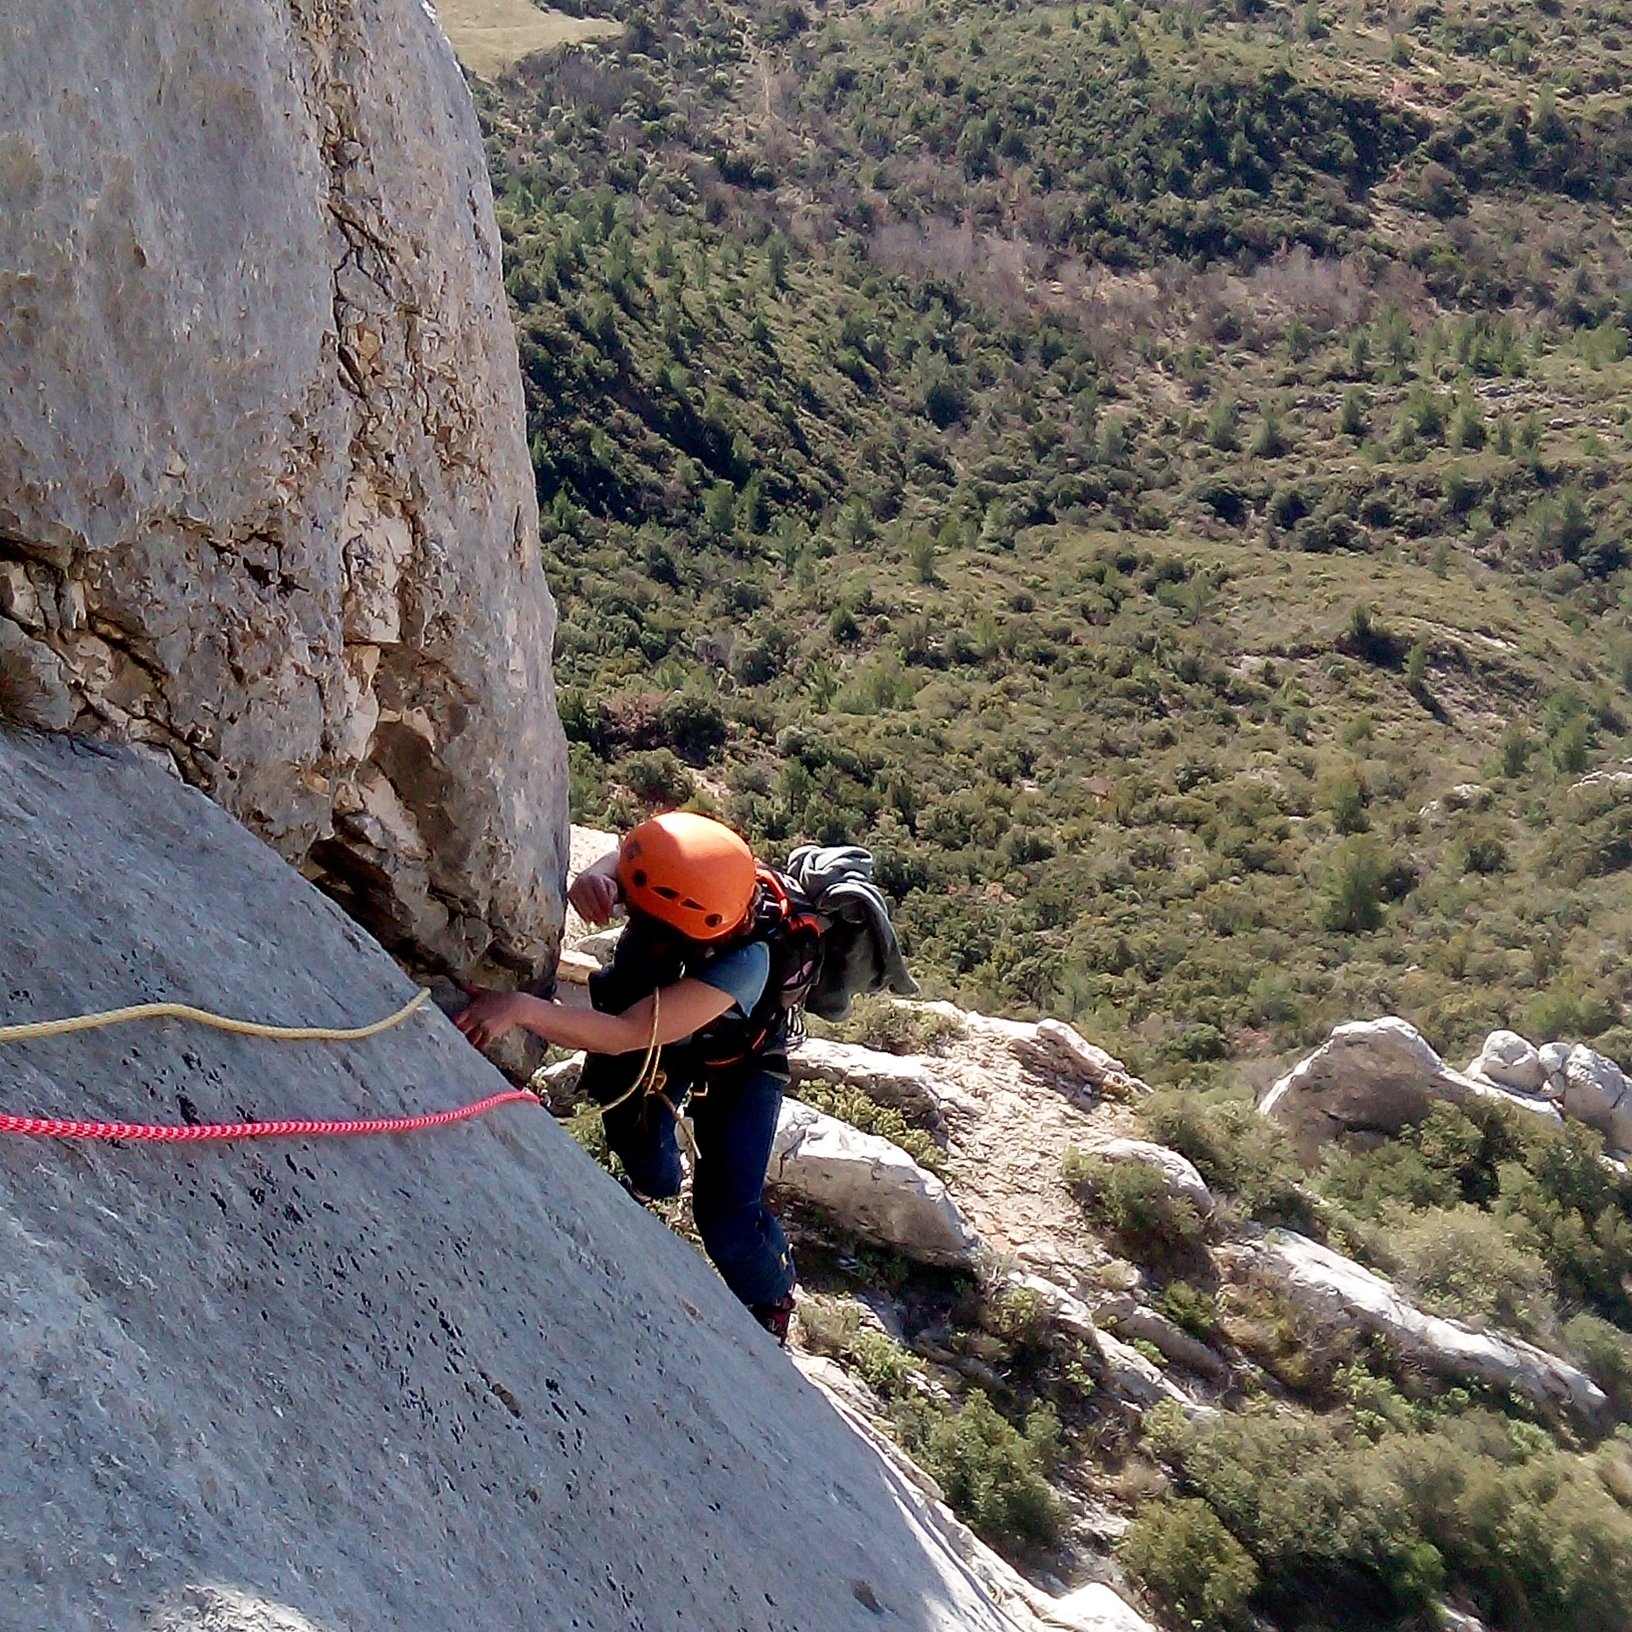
{"points": [[742, 973]]}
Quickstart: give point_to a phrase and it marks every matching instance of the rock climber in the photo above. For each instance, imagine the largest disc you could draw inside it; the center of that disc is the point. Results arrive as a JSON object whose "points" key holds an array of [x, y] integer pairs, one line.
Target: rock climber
{"points": [[681, 1011]]}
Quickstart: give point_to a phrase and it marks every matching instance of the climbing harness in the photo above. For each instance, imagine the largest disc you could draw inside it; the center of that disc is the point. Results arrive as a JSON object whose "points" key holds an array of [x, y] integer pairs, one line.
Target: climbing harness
{"points": [[652, 1079], [58, 1127]]}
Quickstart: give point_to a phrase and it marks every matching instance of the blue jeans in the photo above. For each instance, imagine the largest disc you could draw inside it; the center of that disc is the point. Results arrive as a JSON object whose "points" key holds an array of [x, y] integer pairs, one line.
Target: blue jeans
{"points": [[733, 1114]]}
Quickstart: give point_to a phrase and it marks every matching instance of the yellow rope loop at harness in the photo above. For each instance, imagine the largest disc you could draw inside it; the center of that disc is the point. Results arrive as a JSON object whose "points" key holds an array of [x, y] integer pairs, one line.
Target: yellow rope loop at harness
{"points": [[651, 1077], [28, 1030]]}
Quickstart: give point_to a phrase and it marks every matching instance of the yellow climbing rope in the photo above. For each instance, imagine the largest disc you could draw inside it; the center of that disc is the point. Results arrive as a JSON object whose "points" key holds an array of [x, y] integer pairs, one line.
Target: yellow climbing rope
{"points": [[651, 1078], [28, 1030]]}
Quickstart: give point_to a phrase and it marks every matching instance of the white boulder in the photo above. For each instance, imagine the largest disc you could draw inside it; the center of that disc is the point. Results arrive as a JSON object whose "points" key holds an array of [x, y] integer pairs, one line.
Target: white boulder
{"points": [[1553, 1057], [1596, 1092], [870, 1185], [1508, 1061]]}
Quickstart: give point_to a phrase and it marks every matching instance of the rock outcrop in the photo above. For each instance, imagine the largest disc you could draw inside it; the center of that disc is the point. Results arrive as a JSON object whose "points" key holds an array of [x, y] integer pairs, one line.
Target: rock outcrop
{"points": [[874, 1187], [1595, 1091], [265, 501], [1330, 1286], [373, 1383], [1372, 1078]]}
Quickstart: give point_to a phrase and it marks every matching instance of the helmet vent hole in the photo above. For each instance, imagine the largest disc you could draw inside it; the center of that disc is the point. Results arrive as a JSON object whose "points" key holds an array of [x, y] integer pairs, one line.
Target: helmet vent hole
{"points": [[714, 920], [638, 878], [664, 891]]}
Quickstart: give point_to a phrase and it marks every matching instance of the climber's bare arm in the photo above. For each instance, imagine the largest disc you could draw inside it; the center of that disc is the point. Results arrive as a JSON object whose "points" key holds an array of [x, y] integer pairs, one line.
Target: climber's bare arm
{"points": [[683, 1008]]}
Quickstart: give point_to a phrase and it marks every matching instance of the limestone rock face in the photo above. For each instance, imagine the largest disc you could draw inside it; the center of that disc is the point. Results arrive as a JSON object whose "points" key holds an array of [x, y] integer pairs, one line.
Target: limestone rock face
{"points": [[1372, 1077], [1330, 1286], [306, 1385], [875, 1187], [265, 502]]}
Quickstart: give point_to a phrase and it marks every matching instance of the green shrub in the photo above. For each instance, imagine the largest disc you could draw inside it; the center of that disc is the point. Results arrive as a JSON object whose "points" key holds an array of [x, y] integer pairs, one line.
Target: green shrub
{"points": [[1238, 1152], [1464, 1263], [1576, 1214], [838, 1329], [994, 1477], [1552, 1199], [1321, 1512], [1352, 893], [1483, 852], [854, 1106], [1181, 1555], [1133, 1202], [1192, 1311], [1530, 1534], [586, 1127], [1346, 796], [656, 778], [1304, 1352], [1352, 417], [1515, 748], [1572, 744], [893, 1028], [1570, 1011], [1604, 1352]]}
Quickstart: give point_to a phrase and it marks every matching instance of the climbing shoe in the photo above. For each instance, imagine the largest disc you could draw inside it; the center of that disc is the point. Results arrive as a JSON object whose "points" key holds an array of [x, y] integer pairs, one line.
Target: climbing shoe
{"points": [[776, 1317]]}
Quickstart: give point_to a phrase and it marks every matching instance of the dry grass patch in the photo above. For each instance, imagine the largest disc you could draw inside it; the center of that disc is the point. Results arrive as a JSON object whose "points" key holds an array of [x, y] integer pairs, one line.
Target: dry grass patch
{"points": [[489, 35]]}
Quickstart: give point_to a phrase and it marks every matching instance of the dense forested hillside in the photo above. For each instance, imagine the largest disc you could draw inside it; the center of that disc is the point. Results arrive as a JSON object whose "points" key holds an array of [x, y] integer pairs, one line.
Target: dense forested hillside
{"points": [[1160, 475], [1126, 463]]}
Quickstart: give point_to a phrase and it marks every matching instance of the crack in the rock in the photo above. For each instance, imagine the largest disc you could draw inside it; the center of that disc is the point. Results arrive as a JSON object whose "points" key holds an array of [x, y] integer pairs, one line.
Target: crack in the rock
{"points": [[123, 642]]}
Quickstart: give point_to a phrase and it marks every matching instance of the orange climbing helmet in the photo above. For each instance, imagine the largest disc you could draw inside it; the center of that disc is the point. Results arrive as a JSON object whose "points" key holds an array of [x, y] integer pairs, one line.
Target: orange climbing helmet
{"points": [[689, 872]]}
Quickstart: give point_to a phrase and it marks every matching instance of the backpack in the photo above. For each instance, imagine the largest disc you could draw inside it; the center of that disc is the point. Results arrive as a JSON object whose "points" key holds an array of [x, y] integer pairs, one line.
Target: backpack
{"points": [[793, 932]]}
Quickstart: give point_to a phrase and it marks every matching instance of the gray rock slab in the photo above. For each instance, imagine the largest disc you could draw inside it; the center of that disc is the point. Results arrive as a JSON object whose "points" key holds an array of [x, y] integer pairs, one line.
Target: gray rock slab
{"points": [[265, 497], [1327, 1284], [351, 1386]]}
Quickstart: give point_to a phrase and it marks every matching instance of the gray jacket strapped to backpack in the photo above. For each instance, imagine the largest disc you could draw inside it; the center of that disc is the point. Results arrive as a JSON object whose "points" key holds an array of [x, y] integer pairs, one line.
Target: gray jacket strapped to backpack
{"points": [[862, 952]]}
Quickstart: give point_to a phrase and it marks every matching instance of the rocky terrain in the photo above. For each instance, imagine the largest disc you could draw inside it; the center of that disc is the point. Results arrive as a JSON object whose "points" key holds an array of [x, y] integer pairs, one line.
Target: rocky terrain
{"points": [[265, 502], [1008, 1119]]}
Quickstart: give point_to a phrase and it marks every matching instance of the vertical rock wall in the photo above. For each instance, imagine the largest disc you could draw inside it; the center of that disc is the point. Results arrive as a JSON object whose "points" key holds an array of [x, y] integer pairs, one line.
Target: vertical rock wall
{"points": [[265, 501]]}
